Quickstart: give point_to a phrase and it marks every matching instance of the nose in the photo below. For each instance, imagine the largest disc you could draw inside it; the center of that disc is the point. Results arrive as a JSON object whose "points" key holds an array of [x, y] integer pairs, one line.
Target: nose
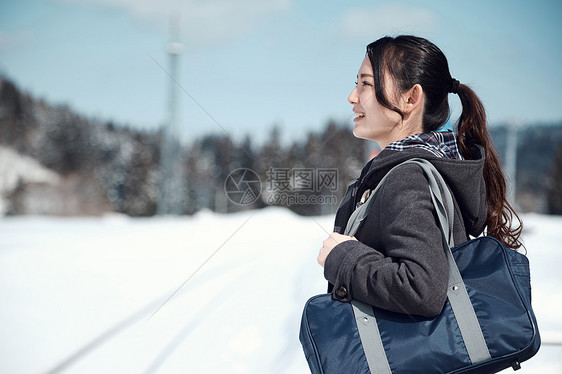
{"points": [[353, 97]]}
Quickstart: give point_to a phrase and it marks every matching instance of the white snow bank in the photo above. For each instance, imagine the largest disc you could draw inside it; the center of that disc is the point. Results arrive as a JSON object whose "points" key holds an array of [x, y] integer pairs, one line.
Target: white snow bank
{"points": [[98, 295], [16, 169]]}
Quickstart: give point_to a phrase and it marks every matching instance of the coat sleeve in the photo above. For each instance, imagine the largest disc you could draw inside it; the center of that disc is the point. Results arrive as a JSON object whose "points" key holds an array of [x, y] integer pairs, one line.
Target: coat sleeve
{"points": [[408, 273]]}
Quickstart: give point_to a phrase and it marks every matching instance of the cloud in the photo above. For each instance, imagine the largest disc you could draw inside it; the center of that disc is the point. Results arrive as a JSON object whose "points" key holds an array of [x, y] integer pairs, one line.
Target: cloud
{"points": [[388, 20], [202, 22]]}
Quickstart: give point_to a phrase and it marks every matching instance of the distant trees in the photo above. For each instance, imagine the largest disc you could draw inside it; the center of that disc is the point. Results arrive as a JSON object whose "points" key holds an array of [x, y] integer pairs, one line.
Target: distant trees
{"points": [[113, 166], [103, 166], [213, 158], [15, 117], [536, 149]]}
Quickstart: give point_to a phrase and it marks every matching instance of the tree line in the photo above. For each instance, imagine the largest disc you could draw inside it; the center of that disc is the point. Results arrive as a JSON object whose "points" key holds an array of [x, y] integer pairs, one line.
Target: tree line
{"points": [[119, 167], [108, 167]]}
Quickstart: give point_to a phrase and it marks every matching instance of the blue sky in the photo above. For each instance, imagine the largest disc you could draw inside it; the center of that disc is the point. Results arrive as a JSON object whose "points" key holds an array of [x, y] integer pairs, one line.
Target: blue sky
{"points": [[253, 63]]}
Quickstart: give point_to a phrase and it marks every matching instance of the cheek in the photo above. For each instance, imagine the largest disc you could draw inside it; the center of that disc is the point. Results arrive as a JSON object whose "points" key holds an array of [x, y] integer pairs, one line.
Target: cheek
{"points": [[367, 97], [391, 116], [377, 112], [382, 113]]}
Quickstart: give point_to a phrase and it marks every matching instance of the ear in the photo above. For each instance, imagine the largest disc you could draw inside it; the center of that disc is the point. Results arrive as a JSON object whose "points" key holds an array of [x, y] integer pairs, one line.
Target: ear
{"points": [[412, 99]]}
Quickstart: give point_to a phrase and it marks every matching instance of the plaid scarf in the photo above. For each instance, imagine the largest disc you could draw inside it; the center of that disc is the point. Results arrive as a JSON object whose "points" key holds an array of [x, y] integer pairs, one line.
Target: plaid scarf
{"points": [[441, 144]]}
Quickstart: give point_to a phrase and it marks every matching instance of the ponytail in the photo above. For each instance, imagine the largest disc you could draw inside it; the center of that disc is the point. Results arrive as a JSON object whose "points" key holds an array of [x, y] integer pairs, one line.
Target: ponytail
{"points": [[411, 60], [472, 130]]}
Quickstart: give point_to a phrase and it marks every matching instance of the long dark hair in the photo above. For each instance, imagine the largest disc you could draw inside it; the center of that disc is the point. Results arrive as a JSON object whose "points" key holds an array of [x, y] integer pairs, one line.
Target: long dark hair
{"points": [[413, 60]]}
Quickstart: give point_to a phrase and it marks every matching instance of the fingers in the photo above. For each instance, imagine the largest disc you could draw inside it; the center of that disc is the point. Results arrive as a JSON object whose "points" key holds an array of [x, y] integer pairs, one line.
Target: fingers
{"points": [[329, 243]]}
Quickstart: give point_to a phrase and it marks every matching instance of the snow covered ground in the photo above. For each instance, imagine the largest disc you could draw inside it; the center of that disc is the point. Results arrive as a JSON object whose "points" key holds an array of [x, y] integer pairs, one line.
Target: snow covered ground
{"points": [[204, 294]]}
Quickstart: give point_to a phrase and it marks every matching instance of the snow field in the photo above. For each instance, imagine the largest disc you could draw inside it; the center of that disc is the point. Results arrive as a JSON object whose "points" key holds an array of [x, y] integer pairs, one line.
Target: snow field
{"points": [[122, 295]]}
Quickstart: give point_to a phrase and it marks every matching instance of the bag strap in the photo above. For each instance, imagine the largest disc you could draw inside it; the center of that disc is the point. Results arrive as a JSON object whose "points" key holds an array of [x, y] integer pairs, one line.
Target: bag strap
{"points": [[445, 212], [456, 291]]}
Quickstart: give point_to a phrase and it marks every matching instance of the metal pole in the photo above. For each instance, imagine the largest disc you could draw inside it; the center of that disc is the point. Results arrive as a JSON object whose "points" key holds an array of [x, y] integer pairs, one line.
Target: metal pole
{"points": [[170, 168], [511, 160]]}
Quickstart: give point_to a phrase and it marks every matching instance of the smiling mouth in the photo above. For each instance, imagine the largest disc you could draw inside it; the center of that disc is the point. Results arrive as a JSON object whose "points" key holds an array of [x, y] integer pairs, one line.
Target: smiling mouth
{"points": [[359, 115]]}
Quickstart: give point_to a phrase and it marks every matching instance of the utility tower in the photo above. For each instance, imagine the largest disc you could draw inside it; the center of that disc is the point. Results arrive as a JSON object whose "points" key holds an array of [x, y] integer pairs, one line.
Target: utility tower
{"points": [[511, 160], [171, 175]]}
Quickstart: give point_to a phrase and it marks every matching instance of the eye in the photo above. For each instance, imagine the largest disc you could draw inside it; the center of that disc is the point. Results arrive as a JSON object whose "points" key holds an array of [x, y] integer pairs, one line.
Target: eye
{"points": [[364, 83]]}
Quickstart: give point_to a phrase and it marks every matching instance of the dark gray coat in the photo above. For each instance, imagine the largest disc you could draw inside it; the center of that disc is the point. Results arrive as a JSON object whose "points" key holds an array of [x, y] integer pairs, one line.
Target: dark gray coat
{"points": [[399, 263]]}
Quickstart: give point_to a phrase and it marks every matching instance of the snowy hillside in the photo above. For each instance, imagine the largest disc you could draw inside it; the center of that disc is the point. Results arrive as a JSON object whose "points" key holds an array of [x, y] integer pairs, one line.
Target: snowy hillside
{"points": [[98, 295], [16, 169]]}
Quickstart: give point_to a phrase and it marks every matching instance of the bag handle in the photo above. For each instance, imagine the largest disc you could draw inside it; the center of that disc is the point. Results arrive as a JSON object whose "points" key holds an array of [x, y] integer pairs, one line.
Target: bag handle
{"points": [[456, 291]]}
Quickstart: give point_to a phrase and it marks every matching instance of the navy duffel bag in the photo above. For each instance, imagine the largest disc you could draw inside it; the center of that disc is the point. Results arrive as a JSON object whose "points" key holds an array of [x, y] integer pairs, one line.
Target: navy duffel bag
{"points": [[486, 325]]}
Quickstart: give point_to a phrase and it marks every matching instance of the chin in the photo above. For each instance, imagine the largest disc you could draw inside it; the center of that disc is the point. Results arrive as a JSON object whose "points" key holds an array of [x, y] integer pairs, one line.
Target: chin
{"points": [[358, 132]]}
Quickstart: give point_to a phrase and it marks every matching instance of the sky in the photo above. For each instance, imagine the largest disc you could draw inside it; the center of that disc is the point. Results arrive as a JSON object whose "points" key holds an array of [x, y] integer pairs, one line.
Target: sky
{"points": [[248, 65]]}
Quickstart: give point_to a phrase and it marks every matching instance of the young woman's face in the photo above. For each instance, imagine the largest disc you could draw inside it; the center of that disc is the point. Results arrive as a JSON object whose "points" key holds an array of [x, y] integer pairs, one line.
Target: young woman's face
{"points": [[372, 120]]}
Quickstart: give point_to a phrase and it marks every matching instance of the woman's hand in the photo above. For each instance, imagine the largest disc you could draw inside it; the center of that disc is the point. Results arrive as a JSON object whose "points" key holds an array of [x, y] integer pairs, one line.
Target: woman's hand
{"points": [[329, 244]]}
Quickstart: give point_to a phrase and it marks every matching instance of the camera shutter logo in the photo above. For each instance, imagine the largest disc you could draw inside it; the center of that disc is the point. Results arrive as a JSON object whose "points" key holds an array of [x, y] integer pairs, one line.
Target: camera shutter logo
{"points": [[242, 186]]}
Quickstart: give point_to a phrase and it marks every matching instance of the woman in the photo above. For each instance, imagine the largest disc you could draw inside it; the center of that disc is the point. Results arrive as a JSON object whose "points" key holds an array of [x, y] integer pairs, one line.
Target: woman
{"points": [[396, 260]]}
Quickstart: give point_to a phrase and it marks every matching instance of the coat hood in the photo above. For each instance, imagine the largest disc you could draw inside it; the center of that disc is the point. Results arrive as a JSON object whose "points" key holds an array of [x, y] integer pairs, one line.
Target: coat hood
{"points": [[464, 178]]}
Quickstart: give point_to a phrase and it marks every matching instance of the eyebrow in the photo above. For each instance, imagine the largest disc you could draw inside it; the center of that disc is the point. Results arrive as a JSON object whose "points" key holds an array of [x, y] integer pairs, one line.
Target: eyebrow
{"points": [[367, 75]]}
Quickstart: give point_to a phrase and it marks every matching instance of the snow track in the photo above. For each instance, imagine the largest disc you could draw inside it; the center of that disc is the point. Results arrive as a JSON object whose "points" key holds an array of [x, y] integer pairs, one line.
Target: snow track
{"points": [[204, 294]]}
